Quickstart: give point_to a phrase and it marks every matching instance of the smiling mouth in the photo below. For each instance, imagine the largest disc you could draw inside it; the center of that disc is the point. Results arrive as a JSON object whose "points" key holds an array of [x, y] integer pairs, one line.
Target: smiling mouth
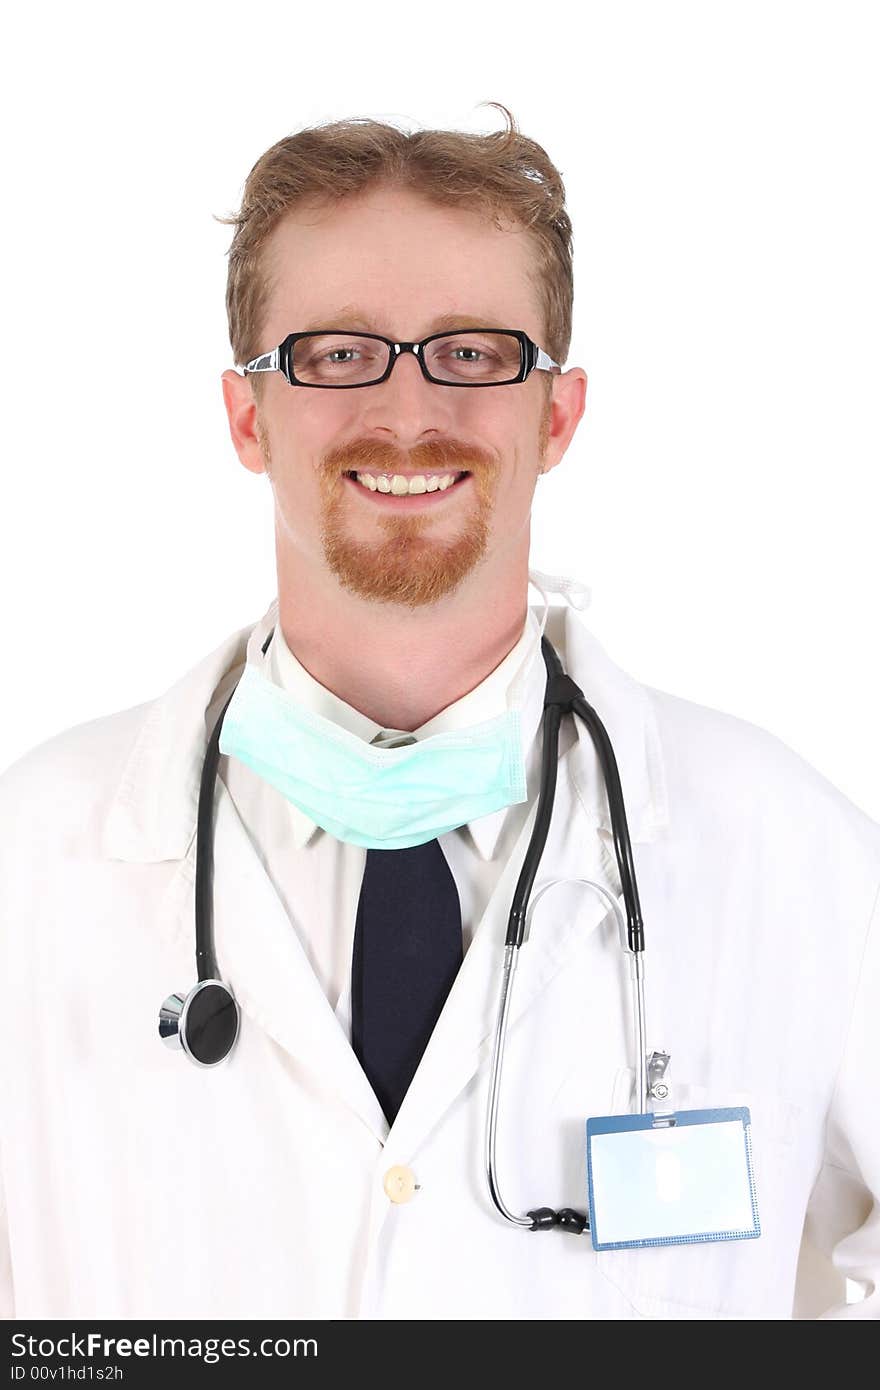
{"points": [[407, 485]]}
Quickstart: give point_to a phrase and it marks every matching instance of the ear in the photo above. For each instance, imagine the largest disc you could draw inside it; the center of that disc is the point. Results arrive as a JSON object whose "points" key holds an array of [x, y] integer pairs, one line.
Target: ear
{"points": [[567, 407], [241, 409]]}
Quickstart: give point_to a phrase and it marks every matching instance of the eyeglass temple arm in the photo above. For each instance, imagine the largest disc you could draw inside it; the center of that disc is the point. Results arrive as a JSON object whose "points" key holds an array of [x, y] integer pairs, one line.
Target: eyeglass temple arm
{"points": [[545, 363], [266, 362]]}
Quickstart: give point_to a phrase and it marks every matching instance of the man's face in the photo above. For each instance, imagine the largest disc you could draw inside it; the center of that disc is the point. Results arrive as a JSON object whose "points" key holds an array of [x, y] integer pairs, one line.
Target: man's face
{"points": [[389, 261]]}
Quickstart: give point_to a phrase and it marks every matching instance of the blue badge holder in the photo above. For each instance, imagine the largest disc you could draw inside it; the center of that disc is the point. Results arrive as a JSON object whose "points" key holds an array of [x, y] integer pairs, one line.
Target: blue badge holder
{"points": [[680, 1179]]}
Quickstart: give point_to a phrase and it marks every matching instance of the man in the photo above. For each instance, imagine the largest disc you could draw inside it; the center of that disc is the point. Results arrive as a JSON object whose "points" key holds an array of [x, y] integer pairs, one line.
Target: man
{"points": [[380, 759]]}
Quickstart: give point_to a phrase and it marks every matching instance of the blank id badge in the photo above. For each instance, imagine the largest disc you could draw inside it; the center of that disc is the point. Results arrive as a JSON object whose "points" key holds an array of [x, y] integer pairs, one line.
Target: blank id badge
{"points": [[679, 1180]]}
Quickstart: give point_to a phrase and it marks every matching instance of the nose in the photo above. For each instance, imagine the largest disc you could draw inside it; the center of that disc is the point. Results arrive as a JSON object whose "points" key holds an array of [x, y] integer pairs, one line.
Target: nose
{"points": [[407, 407]]}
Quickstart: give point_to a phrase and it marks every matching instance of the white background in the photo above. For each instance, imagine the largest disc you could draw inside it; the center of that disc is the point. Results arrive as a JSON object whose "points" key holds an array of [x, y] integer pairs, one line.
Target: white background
{"points": [[721, 494]]}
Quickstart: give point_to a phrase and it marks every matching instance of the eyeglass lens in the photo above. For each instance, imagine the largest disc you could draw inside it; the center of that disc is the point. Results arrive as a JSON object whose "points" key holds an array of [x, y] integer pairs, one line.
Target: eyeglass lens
{"points": [[344, 359]]}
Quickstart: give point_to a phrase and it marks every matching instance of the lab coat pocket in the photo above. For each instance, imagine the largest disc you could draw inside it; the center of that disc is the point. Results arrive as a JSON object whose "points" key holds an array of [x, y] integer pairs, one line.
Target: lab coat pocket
{"points": [[717, 1279]]}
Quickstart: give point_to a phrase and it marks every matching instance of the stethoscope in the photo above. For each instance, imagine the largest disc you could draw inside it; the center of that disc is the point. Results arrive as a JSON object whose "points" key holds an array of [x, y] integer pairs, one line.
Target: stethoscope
{"points": [[205, 1022]]}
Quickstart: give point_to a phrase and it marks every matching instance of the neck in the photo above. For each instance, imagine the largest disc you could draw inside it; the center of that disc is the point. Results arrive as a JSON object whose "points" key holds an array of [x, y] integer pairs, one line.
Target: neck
{"points": [[397, 665]]}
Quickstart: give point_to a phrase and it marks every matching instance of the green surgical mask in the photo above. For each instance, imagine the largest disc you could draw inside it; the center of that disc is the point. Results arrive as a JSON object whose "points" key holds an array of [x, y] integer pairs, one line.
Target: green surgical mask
{"points": [[381, 798]]}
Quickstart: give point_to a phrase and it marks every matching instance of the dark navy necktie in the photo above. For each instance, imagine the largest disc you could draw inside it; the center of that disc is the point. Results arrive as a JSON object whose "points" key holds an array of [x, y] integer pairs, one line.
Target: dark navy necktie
{"points": [[407, 952]]}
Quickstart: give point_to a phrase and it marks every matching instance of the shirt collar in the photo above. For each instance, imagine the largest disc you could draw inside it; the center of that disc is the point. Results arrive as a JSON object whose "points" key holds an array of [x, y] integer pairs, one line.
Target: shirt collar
{"points": [[493, 696]]}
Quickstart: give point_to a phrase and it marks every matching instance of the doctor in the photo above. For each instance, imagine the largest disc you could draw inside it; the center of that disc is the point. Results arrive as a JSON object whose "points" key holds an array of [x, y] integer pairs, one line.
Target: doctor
{"points": [[332, 1165]]}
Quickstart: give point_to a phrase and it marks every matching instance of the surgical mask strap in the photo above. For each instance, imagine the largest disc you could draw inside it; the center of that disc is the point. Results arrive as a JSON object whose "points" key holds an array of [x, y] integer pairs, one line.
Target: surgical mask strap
{"points": [[577, 595]]}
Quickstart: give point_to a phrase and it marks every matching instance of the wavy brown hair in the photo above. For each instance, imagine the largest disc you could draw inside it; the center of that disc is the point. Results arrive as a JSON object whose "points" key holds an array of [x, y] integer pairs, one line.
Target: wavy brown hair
{"points": [[504, 175]]}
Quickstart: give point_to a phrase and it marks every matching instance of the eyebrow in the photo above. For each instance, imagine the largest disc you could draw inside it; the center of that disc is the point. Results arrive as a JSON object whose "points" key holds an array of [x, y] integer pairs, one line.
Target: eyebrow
{"points": [[349, 318]]}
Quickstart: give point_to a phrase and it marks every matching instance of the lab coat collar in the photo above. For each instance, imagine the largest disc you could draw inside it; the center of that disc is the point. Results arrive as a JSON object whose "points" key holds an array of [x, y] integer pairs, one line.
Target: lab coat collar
{"points": [[152, 814], [626, 708]]}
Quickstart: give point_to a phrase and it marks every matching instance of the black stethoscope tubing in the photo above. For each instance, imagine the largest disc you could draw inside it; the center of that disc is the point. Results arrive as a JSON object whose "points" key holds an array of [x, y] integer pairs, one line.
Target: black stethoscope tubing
{"points": [[562, 696]]}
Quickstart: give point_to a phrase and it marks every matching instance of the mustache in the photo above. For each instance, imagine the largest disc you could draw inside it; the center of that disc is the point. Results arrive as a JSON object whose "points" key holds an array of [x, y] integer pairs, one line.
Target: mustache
{"points": [[433, 455]]}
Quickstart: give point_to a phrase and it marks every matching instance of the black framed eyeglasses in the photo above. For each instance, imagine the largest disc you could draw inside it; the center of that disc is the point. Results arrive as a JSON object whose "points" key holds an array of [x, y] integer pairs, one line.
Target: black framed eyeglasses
{"points": [[329, 359]]}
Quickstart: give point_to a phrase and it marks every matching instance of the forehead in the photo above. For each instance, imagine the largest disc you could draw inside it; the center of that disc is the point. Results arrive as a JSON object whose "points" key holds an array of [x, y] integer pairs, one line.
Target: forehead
{"points": [[404, 262]]}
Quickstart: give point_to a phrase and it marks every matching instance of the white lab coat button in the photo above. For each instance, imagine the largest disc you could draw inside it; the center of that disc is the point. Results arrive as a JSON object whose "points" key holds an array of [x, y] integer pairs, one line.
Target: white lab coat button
{"points": [[399, 1183]]}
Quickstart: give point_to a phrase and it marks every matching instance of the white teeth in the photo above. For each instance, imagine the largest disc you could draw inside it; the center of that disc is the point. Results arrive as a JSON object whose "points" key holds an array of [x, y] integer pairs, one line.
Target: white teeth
{"points": [[402, 486]]}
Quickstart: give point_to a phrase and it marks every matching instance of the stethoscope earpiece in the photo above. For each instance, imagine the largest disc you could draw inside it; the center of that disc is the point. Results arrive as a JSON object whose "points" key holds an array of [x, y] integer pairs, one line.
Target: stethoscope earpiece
{"points": [[204, 1022]]}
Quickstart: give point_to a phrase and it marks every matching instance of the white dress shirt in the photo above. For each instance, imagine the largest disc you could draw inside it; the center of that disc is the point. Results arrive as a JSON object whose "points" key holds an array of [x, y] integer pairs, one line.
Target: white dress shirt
{"points": [[317, 876]]}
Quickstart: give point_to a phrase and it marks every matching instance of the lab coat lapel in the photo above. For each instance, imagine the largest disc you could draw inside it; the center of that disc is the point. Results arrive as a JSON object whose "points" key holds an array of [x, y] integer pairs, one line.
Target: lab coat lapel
{"points": [[463, 1038], [260, 956], [274, 979]]}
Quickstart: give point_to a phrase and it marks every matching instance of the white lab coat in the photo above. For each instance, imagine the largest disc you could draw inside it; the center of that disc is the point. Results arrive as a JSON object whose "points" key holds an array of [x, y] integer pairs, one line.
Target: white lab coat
{"points": [[137, 1185]]}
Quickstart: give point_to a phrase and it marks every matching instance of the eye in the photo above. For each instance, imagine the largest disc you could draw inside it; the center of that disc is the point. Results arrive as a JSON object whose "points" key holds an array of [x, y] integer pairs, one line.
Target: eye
{"points": [[467, 353]]}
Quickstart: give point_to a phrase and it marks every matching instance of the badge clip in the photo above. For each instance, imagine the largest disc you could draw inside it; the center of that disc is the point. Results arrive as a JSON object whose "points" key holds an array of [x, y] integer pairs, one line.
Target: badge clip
{"points": [[660, 1096]]}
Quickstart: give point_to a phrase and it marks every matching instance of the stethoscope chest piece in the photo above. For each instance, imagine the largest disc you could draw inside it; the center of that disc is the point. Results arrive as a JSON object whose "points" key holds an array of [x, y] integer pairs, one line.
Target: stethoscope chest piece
{"points": [[204, 1022]]}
